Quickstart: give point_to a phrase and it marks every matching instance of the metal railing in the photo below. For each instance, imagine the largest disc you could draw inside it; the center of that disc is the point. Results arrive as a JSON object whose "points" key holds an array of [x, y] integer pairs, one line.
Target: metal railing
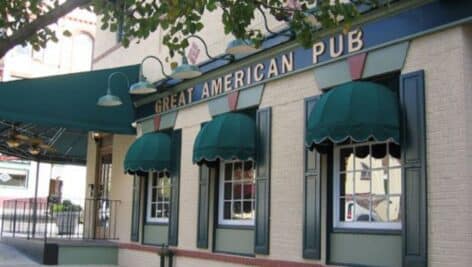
{"points": [[89, 219]]}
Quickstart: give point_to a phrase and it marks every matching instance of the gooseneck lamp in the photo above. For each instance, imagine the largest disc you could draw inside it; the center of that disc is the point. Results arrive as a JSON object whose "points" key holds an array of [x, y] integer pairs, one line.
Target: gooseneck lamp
{"points": [[188, 71], [143, 86], [110, 100], [185, 70], [242, 47]]}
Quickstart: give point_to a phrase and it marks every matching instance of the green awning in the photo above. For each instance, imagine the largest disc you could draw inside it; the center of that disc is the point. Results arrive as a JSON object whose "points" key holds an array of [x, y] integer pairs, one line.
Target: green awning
{"points": [[226, 137], [356, 111], [70, 101], [150, 152]]}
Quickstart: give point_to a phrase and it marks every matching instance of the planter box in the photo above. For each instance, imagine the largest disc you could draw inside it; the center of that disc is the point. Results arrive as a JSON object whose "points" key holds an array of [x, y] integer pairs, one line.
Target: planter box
{"points": [[67, 222]]}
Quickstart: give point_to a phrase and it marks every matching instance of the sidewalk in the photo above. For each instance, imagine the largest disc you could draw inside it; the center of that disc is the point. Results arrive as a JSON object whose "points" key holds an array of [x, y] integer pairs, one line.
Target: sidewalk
{"points": [[10, 257]]}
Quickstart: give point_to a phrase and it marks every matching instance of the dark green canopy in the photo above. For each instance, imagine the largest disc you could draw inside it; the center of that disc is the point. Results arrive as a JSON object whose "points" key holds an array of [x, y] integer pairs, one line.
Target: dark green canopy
{"points": [[150, 152], [357, 111], [62, 109], [226, 137], [70, 101]]}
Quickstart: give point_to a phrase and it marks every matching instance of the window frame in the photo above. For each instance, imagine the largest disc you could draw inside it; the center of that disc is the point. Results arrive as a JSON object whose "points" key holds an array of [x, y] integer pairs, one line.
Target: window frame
{"points": [[16, 171], [337, 224], [149, 187], [220, 197]]}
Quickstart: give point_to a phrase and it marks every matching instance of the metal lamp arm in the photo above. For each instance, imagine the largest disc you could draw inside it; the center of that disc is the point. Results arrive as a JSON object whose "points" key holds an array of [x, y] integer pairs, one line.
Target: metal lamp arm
{"points": [[141, 75], [224, 56], [111, 76], [266, 24]]}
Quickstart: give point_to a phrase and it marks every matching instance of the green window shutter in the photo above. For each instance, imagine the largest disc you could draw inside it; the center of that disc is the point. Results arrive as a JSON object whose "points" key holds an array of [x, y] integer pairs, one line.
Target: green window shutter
{"points": [[312, 195], [203, 207], [135, 208], [261, 238], [175, 176], [412, 101]]}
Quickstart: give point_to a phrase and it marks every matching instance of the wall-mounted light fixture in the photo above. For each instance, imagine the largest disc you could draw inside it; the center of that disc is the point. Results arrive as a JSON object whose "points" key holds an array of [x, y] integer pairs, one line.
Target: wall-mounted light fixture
{"points": [[242, 47], [188, 71], [110, 100], [96, 136], [143, 86], [34, 149]]}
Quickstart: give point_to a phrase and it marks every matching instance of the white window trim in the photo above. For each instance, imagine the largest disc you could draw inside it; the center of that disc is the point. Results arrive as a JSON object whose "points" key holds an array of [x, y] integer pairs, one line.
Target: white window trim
{"points": [[221, 219], [336, 211], [24, 172], [150, 219]]}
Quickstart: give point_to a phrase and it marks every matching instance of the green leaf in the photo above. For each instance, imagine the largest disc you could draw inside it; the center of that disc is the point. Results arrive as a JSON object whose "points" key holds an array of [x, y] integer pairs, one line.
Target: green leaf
{"points": [[67, 33]]}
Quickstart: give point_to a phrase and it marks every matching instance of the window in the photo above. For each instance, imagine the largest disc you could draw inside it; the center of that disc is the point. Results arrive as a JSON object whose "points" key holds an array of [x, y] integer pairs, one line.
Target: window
{"points": [[367, 186], [13, 178], [82, 49], [236, 193], [159, 186]]}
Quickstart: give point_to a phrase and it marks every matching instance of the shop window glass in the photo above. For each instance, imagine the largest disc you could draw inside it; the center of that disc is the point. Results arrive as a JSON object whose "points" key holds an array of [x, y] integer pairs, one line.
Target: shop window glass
{"points": [[13, 178], [158, 204], [367, 186], [237, 193]]}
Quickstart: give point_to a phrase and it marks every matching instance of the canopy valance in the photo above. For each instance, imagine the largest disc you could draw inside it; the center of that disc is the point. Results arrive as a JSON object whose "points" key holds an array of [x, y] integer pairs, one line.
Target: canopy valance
{"points": [[357, 112], [150, 152], [228, 136]]}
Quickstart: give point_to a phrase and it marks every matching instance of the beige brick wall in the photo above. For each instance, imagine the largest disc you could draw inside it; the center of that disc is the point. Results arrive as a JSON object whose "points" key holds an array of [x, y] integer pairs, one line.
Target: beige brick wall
{"points": [[443, 56], [122, 186], [189, 121], [286, 97]]}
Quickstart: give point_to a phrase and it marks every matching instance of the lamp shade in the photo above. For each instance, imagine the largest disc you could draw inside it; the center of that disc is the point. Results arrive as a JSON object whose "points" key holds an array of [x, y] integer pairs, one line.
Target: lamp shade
{"points": [[240, 46], [142, 87], [185, 71], [109, 100]]}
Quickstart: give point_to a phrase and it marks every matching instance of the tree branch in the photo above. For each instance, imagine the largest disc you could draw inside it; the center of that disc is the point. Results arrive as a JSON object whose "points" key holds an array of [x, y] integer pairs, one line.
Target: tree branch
{"points": [[28, 30]]}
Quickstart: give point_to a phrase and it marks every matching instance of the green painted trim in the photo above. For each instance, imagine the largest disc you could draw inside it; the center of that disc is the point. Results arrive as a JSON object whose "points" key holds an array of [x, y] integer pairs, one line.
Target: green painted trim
{"points": [[250, 98], [240, 241], [215, 194], [240, 227], [203, 207], [367, 250], [218, 105], [329, 203], [392, 10], [311, 194], [385, 60], [366, 231], [173, 234], [135, 209], [414, 175], [155, 234], [168, 120], [147, 126], [144, 207], [332, 74], [263, 168], [87, 255]]}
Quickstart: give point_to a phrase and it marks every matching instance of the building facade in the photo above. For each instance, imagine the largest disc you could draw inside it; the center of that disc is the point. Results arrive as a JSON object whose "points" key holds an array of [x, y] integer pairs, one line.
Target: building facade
{"points": [[352, 152], [69, 54]]}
